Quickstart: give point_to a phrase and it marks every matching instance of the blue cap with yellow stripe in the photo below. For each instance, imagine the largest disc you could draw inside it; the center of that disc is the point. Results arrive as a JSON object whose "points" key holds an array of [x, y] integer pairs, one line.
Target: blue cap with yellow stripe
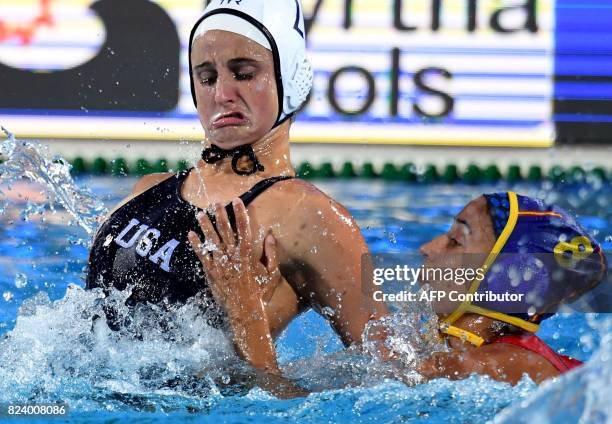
{"points": [[541, 253]]}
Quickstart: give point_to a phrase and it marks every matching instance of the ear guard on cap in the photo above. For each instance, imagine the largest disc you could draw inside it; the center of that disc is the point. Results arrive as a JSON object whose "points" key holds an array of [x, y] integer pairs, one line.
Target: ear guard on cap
{"points": [[298, 86]]}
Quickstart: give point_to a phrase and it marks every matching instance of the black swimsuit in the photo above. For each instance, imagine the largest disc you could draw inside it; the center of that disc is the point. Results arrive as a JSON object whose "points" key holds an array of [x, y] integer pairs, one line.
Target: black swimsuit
{"points": [[144, 245]]}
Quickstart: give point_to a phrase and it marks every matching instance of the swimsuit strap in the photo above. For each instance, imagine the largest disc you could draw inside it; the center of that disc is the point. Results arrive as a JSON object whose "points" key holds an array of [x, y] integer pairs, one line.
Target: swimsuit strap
{"points": [[533, 343], [248, 196], [260, 187]]}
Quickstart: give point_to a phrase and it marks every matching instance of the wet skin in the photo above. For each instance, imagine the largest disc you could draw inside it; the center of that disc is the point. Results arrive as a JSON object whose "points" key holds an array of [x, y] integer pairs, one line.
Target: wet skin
{"points": [[472, 233], [318, 244]]}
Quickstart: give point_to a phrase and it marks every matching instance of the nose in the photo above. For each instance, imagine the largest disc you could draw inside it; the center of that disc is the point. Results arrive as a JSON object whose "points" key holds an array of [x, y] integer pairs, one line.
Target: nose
{"points": [[225, 89], [431, 247]]}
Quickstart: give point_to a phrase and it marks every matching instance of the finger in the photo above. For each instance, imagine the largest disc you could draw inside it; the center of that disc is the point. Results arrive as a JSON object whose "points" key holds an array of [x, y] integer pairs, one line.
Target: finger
{"points": [[270, 254], [210, 264], [211, 238], [198, 248], [243, 227], [224, 228]]}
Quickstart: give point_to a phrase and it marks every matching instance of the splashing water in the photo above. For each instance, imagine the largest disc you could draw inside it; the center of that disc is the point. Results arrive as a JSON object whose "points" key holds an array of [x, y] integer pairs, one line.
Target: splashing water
{"points": [[27, 160], [61, 351], [583, 393]]}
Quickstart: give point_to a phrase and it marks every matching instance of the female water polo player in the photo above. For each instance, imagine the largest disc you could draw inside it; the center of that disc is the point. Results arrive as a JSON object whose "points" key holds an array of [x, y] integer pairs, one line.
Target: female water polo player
{"points": [[249, 76], [532, 251]]}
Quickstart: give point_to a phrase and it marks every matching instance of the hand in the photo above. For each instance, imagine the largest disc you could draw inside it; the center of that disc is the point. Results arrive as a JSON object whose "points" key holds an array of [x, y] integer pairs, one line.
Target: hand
{"points": [[239, 281]]}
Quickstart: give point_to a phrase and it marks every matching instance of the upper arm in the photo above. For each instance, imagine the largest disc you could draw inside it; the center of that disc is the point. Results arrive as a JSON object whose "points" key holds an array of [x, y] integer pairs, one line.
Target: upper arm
{"points": [[330, 250], [453, 365]]}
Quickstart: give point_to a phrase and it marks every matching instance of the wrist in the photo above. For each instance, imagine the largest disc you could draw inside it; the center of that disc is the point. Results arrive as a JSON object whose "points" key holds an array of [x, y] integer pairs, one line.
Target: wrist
{"points": [[247, 314]]}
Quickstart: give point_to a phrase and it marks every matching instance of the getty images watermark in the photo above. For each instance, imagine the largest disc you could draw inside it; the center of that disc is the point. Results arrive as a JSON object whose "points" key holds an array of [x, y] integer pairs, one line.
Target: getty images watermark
{"points": [[412, 276], [513, 282]]}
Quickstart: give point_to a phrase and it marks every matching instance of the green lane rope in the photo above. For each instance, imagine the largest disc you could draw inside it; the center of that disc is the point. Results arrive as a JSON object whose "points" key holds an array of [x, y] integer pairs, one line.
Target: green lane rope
{"points": [[306, 171], [534, 175], [367, 171], [182, 165], [491, 174], [79, 166], [472, 175], [99, 166], [450, 175], [407, 173], [557, 175], [143, 167], [390, 171], [347, 171], [160, 166], [119, 167], [326, 171], [599, 173], [577, 174], [514, 174]]}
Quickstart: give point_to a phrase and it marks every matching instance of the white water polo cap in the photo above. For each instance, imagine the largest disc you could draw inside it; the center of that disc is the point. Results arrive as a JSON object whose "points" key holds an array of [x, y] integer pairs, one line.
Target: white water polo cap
{"points": [[277, 25]]}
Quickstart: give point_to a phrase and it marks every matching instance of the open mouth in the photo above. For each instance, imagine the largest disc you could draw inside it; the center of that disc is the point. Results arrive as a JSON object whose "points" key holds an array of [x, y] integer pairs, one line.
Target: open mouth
{"points": [[229, 119]]}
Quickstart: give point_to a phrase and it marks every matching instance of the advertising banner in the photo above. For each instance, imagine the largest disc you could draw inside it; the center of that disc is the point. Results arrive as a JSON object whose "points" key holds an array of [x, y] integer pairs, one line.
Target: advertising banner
{"points": [[434, 72]]}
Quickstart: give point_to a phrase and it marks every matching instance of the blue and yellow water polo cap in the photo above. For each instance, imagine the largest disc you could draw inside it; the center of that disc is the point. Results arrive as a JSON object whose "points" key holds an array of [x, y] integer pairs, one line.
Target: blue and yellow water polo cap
{"points": [[541, 253]]}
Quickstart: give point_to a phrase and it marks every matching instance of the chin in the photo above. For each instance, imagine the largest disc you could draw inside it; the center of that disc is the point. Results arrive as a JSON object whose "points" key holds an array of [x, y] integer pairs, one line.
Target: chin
{"points": [[229, 138]]}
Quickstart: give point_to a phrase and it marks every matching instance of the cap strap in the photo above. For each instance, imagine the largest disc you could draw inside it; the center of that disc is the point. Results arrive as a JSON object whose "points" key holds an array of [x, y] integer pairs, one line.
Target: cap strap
{"points": [[497, 247]]}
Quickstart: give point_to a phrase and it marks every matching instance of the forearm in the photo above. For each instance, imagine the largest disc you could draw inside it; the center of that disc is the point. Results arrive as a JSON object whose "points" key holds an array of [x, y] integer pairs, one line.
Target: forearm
{"points": [[252, 339]]}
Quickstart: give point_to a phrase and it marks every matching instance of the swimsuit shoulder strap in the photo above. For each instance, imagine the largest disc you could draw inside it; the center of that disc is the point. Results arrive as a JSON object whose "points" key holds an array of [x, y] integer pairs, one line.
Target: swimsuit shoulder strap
{"points": [[248, 196], [533, 343]]}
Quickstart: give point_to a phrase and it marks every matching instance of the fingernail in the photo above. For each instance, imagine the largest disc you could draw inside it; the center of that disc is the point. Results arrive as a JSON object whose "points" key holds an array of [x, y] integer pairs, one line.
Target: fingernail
{"points": [[236, 201]]}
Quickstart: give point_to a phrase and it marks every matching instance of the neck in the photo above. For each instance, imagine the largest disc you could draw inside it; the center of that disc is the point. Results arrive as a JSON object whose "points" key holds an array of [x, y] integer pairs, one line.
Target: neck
{"points": [[272, 151], [477, 324]]}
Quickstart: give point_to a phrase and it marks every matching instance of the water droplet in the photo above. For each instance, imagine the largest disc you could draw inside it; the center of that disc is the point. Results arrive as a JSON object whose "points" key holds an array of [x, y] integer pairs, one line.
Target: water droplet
{"points": [[8, 296], [328, 312], [21, 280]]}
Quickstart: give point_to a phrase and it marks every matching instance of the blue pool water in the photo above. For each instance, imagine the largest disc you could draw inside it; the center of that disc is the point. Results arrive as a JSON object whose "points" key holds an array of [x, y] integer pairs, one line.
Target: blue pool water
{"points": [[50, 353]]}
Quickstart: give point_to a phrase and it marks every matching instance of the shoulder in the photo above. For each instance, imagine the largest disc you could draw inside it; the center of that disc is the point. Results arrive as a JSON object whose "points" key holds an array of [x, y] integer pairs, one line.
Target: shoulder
{"points": [[148, 181], [311, 216], [310, 201]]}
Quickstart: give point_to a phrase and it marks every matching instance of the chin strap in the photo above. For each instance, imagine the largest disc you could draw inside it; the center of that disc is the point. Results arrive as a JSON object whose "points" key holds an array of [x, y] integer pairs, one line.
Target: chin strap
{"points": [[214, 154]]}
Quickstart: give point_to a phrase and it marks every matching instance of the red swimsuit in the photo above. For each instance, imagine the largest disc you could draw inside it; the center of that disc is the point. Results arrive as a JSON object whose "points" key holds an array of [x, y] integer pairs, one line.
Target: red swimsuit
{"points": [[534, 344]]}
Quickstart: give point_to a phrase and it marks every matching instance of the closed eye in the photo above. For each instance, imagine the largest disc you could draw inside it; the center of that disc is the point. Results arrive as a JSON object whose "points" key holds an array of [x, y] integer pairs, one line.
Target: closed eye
{"points": [[207, 78], [244, 76]]}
